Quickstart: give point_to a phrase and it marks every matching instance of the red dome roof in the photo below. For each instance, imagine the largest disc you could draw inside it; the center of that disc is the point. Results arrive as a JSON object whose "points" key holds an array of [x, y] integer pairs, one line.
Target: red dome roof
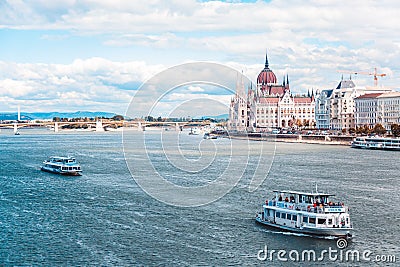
{"points": [[266, 76]]}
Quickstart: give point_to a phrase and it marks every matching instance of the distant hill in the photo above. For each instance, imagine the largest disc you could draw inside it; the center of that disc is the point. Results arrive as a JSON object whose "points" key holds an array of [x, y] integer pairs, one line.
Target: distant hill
{"points": [[216, 117], [13, 117], [51, 115]]}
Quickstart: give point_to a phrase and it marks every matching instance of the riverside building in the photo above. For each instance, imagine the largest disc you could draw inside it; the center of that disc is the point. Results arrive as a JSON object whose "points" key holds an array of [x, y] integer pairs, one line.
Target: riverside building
{"points": [[335, 108], [269, 105], [383, 108]]}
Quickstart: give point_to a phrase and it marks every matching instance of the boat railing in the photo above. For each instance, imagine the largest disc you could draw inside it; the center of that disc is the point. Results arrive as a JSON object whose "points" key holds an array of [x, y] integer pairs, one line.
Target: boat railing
{"points": [[322, 208]]}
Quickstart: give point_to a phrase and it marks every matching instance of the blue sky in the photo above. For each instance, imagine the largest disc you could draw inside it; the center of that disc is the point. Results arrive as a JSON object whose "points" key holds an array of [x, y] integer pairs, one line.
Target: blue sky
{"points": [[72, 55]]}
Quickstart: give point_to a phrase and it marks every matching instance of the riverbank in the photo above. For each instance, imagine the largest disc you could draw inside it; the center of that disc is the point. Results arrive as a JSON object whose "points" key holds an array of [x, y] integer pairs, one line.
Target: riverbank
{"points": [[291, 138]]}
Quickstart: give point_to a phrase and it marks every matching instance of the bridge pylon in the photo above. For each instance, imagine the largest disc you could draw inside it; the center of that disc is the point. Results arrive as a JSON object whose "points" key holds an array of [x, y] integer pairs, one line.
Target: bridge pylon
{"points": [[140, 126], [99, 126]]}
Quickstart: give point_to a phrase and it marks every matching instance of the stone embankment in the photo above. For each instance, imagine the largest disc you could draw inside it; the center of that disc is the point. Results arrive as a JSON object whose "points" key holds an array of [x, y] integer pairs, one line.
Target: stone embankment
{"points": [[296, 138]]}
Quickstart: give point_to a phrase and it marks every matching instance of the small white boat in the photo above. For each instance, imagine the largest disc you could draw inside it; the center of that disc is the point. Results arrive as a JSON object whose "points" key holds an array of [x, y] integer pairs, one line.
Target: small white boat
{"points": [[209, 136], [376, 143], [62, 165], [307, 213]]}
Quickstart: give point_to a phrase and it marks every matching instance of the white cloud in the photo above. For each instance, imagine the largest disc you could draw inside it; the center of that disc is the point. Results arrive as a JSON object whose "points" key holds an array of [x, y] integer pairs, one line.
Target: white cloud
{"points": [[195, 89], [76, 86]]}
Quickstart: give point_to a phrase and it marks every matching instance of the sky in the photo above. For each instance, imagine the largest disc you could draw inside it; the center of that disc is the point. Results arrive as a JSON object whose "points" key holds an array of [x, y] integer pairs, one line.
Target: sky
{"points": [[94, 55]]}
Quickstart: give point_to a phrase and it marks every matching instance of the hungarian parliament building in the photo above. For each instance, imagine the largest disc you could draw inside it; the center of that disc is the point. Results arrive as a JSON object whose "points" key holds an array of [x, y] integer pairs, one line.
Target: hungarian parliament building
{"points": [[269, 105]]}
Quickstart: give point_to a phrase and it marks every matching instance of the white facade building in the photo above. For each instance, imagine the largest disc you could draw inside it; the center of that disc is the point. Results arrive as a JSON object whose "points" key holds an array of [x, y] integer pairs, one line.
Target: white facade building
{"points": [[238, 112], [383, 108], [335, 108]]}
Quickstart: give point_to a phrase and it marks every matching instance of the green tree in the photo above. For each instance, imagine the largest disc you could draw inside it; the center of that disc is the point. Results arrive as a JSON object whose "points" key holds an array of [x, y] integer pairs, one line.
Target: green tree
{"points": [[379, 129], [363, 129], [118, 118], [395, 129], [299, 123], [148, 118]]}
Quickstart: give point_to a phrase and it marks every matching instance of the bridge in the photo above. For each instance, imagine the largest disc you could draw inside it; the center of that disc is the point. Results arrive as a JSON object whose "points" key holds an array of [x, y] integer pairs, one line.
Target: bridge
{"points": [[101, 126]]}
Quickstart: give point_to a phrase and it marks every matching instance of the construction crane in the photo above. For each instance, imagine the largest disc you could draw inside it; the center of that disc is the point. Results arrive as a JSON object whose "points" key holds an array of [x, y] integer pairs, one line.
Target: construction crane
{"points": [[375, 74]]}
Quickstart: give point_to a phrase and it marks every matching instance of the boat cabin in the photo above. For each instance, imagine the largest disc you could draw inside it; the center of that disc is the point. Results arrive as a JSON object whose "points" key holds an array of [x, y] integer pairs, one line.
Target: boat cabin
{"points": [[302, 201]]}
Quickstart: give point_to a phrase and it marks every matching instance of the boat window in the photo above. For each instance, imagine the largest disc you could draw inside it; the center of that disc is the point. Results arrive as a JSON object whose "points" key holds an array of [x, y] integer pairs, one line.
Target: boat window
{"points": [[305, 219], [347, 220], [294, 217], [278, 214], [289, 217], [311, 220], [283, 215], [321, 220], [329, 221]]}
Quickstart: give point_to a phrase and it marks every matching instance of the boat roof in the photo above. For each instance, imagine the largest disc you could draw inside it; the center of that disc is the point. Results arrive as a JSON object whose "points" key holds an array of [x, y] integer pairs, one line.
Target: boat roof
{"points": [[303, 193], [59, 157], [381, 139]]}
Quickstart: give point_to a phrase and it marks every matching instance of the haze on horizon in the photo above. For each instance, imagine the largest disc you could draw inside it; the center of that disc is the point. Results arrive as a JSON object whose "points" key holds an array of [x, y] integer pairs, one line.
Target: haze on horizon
{"points": [[93, 55]]}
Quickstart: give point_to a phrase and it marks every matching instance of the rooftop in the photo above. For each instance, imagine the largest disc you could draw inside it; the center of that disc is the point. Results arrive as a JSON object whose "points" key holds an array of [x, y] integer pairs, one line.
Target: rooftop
{"points": [[379, 95], [390, 94], [373, 95], [303, 193]]}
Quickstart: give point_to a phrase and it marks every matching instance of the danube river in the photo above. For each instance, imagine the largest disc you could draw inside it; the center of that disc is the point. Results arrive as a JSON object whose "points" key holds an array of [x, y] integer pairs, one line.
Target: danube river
{"points": [[103, 218]]}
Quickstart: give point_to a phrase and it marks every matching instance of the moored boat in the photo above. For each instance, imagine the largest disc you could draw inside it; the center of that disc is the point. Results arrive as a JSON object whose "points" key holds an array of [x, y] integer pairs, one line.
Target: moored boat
{"points": [[376, 143], [306, 213], [209, 136], [62, 165]]}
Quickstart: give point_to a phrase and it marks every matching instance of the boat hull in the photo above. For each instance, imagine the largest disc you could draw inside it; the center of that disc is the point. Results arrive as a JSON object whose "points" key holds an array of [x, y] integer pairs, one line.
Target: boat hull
{"points": [[334, 232], [66, 173], [376, 147], [376, 143]]}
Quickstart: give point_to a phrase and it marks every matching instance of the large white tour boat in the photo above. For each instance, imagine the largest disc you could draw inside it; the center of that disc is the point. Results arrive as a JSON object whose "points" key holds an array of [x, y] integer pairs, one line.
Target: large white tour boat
{"points": [[62, 165], [376, 143], [307, 213]]}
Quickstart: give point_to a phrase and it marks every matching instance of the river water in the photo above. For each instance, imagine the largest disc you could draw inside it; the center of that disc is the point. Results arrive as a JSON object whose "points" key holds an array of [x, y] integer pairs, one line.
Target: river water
{"points": [[104, 218]]}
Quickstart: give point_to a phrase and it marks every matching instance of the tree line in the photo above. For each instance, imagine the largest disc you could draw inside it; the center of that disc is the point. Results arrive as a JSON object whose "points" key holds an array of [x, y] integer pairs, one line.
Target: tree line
{"points": [[377, 129], [86, 119]]}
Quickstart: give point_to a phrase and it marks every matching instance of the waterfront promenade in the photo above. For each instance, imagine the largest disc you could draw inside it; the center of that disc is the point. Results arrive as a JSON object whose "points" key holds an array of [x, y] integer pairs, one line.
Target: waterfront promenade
{"points": [[297, 138]]}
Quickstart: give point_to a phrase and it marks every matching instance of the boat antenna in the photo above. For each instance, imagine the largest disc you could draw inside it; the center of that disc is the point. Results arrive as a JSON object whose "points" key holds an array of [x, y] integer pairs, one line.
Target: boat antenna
{"points": [[316, 187]]}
